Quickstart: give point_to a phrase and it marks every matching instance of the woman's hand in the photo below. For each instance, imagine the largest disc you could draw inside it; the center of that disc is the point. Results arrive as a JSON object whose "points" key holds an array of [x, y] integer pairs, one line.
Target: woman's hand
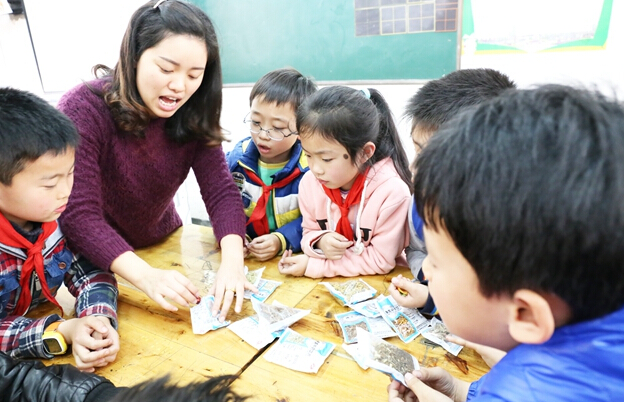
{"points": [[230, 281], [158, 284]]}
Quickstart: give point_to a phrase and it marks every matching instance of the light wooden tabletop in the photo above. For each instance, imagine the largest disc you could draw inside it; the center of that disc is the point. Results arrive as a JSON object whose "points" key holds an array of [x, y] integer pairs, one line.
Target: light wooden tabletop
{"points": [[155, 342]]}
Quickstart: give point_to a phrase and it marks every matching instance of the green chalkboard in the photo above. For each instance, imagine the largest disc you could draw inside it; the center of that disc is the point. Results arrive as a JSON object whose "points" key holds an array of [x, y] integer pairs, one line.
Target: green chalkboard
{"points": [[319, 39]]}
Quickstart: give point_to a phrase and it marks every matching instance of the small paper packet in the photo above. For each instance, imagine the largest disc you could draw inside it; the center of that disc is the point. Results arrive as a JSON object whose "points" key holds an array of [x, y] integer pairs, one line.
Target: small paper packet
{"points": [[299, 353], [351, 320], [248, 329], [383, 356], [266, 287], [350, 292], [202, 319], [436, 332], [406, 322], [369, 308], [276, 316]]}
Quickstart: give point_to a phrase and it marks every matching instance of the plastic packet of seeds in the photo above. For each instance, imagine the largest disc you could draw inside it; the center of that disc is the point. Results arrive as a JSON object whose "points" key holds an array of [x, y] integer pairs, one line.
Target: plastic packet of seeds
{"points": [[202, 319], [248, 329], [351, 320], [299, 353], [369, 308], [350, 292], [353, 351], [276, 316], [266, 287], [254, 276], [406, 322], [384, 356], [436, 332]]}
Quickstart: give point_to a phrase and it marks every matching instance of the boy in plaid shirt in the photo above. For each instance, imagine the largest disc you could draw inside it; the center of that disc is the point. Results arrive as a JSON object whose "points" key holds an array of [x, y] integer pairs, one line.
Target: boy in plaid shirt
{"points": [[36, 177]]}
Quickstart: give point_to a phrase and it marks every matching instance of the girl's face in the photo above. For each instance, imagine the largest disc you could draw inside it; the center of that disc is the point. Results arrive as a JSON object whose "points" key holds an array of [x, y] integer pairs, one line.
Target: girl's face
{"points": [[329, 162], [170, 72]]}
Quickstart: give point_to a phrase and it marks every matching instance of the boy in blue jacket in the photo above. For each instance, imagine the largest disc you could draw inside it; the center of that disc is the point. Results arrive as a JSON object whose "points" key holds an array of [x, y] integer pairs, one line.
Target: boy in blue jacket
{"points": [[521, 199], [268, 165], [433, 105]]}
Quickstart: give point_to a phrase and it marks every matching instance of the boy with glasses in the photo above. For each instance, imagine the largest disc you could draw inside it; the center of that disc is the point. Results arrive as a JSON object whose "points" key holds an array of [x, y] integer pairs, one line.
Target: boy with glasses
{"points": [[268, 165]]}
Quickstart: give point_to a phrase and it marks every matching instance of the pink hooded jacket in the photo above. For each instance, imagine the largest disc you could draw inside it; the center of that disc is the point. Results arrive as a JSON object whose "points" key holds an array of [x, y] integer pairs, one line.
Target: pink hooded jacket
{"points": [[382, 225]]}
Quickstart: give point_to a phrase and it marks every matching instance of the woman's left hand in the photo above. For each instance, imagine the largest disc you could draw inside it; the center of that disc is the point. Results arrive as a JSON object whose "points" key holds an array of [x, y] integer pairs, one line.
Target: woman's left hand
{"points": [[230, 281]]}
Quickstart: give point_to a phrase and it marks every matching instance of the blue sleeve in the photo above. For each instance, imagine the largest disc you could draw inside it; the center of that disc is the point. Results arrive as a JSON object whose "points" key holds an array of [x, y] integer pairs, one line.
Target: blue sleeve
{"points": [[292, 232], [473, 391], [418, 222]]}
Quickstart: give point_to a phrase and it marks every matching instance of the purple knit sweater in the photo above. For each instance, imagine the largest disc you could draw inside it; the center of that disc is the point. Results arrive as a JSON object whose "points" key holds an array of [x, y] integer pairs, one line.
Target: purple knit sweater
{"points": [[124, 186]]}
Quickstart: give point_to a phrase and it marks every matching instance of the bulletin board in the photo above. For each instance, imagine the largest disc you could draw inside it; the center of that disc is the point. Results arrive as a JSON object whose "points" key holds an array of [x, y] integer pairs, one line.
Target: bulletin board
{"points": [[338, 40]]}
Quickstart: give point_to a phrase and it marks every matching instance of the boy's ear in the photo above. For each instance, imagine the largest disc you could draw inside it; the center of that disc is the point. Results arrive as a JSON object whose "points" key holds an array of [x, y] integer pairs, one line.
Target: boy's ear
{"points": [[531, 318]]}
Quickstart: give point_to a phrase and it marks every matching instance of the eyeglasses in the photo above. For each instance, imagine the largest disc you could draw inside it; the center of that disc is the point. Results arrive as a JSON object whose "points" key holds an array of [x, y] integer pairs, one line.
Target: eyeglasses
{"points": [[275, 134]]}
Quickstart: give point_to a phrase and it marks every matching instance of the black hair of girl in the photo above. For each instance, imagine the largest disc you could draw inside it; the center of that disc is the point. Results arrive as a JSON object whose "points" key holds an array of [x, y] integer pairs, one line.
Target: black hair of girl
{"points": [[348, 116], [199, 117]]}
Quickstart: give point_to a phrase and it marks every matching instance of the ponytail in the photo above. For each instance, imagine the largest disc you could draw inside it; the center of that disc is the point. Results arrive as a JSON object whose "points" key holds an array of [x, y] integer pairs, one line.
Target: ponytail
{"points": [[388, 143]]}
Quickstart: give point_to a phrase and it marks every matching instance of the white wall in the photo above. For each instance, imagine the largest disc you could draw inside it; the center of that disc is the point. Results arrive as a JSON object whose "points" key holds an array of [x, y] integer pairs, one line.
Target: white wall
{"points": [[600, 68]]}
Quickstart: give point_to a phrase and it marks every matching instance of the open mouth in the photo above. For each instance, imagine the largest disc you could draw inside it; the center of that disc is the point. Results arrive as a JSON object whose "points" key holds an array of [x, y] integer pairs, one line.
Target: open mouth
{"points": [[167, 102], [263, 149]]}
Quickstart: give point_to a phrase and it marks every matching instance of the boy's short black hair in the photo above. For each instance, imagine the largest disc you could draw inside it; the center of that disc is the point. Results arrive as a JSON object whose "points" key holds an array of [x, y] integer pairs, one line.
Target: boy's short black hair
{"points": [[439, 100], [216, 389], [283, 86], [29, 128], [530, 187]]}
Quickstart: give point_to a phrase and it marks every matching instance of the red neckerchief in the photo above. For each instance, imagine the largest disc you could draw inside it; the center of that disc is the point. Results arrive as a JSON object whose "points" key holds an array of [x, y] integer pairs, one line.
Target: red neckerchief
{"points": [[34, 261], [258, 217], [344, 226]]}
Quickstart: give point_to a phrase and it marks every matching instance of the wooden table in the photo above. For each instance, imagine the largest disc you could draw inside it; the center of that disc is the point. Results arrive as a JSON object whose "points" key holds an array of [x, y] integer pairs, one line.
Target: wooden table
{"points": [[155, 342]]}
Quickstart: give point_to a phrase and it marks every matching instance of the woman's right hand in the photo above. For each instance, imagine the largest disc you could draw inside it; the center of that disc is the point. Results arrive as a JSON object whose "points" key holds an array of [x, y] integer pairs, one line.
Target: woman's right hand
{"points": [[158, 284]]}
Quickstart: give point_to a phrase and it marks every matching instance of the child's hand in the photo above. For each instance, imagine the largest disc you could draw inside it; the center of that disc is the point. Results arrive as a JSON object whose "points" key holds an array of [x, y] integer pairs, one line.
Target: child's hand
{"points": [[94, 341], [265, 247], [408, 293], [294, 265], [428, 384], [490, 355], [333, 245]]}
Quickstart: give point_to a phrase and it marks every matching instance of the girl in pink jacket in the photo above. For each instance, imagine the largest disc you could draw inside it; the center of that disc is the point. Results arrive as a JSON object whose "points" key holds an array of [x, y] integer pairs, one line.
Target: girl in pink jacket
{"points": [[355, 198]]}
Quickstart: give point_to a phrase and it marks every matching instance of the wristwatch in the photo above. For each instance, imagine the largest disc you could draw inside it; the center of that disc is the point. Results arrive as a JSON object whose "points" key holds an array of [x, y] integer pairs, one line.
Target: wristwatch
{"points": [[53, 341]]}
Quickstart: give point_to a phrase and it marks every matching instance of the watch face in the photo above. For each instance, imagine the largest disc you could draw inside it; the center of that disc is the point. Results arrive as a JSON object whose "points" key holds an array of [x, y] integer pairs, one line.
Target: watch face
{"points": [[52, 346]]}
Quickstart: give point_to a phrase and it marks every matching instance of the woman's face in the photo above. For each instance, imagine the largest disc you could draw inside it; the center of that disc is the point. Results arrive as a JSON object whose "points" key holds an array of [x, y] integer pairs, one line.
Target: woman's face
{"points": [[170, 72]]}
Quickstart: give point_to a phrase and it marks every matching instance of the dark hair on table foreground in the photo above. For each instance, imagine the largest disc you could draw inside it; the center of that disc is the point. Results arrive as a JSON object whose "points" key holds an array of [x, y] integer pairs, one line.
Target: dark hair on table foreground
{"points": [[530, 191], [216, 389]]}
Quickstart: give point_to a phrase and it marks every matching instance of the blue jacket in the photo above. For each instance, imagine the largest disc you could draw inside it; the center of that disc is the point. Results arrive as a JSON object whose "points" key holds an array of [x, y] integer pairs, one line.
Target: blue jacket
{"points": [[243, 158], [581, 362]]}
